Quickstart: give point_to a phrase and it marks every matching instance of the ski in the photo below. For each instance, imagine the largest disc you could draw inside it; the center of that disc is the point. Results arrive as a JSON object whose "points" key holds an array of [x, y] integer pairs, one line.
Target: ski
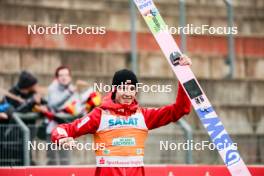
{"points": [[208, 117]]}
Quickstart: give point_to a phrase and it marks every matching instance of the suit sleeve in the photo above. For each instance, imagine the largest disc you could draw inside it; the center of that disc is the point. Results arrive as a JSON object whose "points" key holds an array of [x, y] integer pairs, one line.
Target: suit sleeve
{"points": [[158, 117], [84, 125]]}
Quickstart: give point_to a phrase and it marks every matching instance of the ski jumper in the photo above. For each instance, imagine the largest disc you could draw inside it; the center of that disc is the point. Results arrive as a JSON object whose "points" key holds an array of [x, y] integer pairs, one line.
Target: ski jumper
{"points": [[123, 129]]}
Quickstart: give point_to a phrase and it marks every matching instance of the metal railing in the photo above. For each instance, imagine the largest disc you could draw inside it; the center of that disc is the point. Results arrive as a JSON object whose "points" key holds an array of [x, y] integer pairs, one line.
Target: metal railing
{"points": [[133, 37], [14, 136], [26, 138], [14, 150], [188, 135], [231, 42], [182, 23]]}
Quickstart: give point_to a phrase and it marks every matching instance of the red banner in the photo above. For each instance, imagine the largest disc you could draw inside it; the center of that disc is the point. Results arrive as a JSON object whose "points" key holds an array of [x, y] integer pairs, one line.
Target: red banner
{"points": [[157, 170]]}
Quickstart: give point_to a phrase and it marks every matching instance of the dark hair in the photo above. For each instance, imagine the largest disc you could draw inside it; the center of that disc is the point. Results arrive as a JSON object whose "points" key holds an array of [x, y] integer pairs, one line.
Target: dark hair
{"points": [[120, 77], [26, 80], [61, 68]]}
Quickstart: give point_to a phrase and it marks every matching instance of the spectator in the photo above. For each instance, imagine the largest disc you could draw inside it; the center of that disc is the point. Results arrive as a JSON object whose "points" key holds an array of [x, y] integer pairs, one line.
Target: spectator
{"points": [[24, 97], [61, 89], [59, 92], [63, 97], [26, 89]]}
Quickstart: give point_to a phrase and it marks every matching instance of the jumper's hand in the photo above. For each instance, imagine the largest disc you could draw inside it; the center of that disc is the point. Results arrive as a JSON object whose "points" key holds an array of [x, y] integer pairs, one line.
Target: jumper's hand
{"points": [[185, 60], [67, 143]]}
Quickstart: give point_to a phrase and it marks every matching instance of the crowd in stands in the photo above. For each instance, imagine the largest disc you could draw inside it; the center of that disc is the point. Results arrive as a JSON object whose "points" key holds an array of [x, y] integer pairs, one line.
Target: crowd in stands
{"points": [[62, 97]]}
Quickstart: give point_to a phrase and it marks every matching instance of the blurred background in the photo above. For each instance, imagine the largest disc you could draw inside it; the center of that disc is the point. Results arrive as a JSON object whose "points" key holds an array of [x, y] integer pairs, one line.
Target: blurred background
{"points": [[229, 68]]}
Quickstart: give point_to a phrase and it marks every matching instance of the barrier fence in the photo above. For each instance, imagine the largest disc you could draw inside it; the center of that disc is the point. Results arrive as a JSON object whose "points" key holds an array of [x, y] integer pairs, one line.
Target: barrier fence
{"points": [[13, 143], [15, 136]]}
